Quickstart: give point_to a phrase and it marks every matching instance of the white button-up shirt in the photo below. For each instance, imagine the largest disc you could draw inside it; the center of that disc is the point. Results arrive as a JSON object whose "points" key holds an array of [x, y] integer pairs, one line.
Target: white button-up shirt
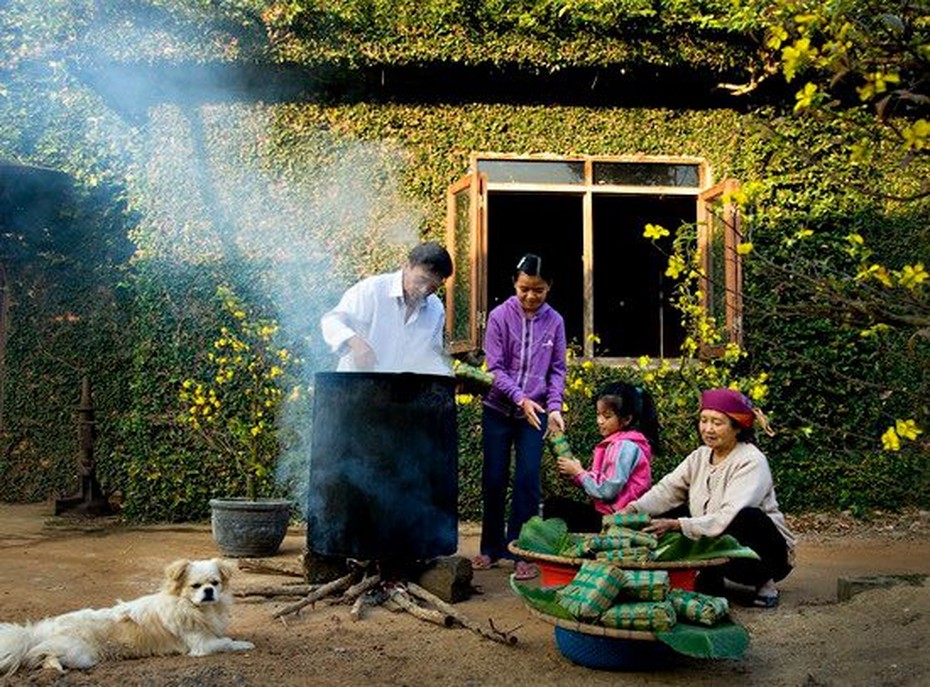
{"points": [[374, 309]]}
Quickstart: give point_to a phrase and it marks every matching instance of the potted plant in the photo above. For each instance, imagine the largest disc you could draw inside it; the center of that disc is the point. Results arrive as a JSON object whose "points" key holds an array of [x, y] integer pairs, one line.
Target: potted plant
{"points": [[232, 410]]}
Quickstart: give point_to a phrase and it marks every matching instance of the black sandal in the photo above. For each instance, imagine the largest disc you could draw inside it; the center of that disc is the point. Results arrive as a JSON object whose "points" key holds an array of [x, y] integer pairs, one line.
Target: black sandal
{"points": [[765, 601]]}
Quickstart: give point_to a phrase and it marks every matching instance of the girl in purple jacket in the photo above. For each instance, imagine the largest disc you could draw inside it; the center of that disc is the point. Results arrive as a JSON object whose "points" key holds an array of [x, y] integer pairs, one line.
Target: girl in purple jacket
{"points": [[525, 351], [621, 469]]}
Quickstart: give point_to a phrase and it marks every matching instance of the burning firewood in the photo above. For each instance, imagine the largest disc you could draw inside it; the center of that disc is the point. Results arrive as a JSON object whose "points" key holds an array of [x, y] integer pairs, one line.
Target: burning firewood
{"points": [[320, 593], [400, 597], [279, 590], [357, 590], [411, 598], [503, 636]]}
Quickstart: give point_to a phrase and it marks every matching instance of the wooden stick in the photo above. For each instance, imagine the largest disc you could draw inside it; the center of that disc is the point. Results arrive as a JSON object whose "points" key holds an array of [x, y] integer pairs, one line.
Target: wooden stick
{"points": [[261, 566], [324, 590], [358, 589], [402, 599], [281, 590], [360, 602], [493, 633]]}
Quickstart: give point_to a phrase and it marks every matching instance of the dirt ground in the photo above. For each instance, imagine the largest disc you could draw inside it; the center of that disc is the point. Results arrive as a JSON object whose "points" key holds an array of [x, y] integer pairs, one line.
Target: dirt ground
{"points": [[52, 565]]}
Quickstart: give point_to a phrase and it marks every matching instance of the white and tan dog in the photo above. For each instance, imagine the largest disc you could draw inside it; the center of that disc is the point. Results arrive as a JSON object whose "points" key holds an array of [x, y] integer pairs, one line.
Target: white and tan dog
{"points": [[188, 616]]}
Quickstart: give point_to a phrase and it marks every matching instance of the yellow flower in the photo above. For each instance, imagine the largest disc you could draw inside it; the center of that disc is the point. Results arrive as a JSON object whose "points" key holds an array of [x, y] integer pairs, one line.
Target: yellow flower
{"points": [[912, 276], [731, 353], [877, 272], [804, 233], [907, 429], [890, 440], [644, 361], [874, 330], [675, 266], [805, 97], [881, 274], [795, 57], [776, 36], [877, 83], [655, 232], [917, 136], [758, 392], [744, 248]]}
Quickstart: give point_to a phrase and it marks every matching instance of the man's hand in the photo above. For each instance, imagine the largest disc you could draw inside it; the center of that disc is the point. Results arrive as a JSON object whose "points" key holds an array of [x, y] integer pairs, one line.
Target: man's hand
{"points": [[362, 353]]}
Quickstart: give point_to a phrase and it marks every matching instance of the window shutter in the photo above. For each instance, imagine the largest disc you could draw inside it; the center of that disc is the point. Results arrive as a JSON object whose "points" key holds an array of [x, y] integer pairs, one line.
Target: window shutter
{"points": [[719, 237], [466, 294]]}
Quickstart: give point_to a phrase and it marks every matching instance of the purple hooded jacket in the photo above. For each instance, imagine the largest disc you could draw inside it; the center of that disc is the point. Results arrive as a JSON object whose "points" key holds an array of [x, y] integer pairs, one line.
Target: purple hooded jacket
{"points": [[526, 357]]}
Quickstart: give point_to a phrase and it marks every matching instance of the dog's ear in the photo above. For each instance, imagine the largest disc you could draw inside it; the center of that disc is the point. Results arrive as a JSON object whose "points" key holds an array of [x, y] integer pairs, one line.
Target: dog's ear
{"points": [[226, 569], [175, 576]]}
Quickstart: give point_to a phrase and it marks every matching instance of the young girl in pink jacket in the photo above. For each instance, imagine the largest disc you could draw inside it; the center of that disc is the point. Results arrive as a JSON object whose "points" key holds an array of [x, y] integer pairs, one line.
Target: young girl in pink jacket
{"points": [[620, 469]]}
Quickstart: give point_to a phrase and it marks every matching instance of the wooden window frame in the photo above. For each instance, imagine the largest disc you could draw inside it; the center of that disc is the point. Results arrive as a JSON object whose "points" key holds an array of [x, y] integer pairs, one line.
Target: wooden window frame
{"points": [[712, 202]]}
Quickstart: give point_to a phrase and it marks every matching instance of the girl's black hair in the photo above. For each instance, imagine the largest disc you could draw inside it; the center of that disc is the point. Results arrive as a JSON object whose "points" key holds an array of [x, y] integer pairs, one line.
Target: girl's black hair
{"points": [[531, 266], [633, 401]]}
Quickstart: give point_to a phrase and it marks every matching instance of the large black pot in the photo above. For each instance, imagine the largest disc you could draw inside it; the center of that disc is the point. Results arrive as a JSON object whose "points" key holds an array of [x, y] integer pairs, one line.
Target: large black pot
{"points": [[383, 466]]}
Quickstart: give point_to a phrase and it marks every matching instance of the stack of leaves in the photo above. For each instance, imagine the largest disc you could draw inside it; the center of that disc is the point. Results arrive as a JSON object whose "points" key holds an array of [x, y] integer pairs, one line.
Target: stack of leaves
{"points": [[642, 603], [622, 599], [592, 591], [699, 608], [552, 537], [620, 541], [692, 624], [545, 536], [725, 639]]}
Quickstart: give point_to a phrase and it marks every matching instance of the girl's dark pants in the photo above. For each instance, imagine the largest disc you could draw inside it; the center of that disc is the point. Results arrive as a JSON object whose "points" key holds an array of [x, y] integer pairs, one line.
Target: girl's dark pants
{"points": [[500, 434]]}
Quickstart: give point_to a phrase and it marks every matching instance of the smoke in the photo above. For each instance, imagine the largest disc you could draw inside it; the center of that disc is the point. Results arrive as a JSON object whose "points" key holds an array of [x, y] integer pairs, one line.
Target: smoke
{"points": [[214, 173], [216, 188]]}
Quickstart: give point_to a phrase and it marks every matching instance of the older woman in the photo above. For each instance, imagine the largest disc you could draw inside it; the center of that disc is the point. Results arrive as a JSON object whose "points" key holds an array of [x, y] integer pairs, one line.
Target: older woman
{"points": [[725, 487]]}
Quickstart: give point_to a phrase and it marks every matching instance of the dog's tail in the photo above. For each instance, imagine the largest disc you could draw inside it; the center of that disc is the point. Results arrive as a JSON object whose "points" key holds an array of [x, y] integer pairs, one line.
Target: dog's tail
{"points": [[15, 642]]}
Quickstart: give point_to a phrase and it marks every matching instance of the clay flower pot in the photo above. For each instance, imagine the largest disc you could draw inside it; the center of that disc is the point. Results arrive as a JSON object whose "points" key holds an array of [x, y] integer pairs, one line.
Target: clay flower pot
{"points": [[249, 528]]}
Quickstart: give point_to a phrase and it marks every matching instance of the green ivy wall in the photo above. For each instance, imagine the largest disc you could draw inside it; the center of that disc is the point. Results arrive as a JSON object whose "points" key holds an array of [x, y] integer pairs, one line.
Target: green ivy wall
{"points": [[202, 180]]}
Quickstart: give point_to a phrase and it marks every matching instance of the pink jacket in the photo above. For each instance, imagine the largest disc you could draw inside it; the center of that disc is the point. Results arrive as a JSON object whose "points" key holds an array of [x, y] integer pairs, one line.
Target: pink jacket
{"points": [[620, 471]]}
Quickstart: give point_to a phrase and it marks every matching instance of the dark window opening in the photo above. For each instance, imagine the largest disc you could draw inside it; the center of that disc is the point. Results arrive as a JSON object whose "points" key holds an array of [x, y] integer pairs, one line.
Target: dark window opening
{"points": [[549, 225], [634, 313]]}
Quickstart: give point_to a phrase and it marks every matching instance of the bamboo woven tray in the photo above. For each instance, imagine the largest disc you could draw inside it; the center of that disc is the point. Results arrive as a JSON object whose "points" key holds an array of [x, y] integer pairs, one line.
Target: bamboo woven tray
{"points": [[631, 565], [598, 630]]}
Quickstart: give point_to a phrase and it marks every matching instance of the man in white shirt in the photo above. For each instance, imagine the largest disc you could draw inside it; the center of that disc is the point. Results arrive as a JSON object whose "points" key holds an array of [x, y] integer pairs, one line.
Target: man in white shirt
{"points": [[393, 322]]}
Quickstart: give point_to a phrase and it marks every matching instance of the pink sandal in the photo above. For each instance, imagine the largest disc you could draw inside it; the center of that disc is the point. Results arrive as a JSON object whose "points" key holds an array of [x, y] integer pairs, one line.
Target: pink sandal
{"points": [[483, 562], [525, 571]]}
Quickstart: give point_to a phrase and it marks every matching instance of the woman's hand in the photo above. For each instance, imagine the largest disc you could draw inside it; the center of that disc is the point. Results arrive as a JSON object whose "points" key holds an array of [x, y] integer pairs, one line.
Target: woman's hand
{"points": [[662, 525], [532, 409], [569, 466], [555, 423]]}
